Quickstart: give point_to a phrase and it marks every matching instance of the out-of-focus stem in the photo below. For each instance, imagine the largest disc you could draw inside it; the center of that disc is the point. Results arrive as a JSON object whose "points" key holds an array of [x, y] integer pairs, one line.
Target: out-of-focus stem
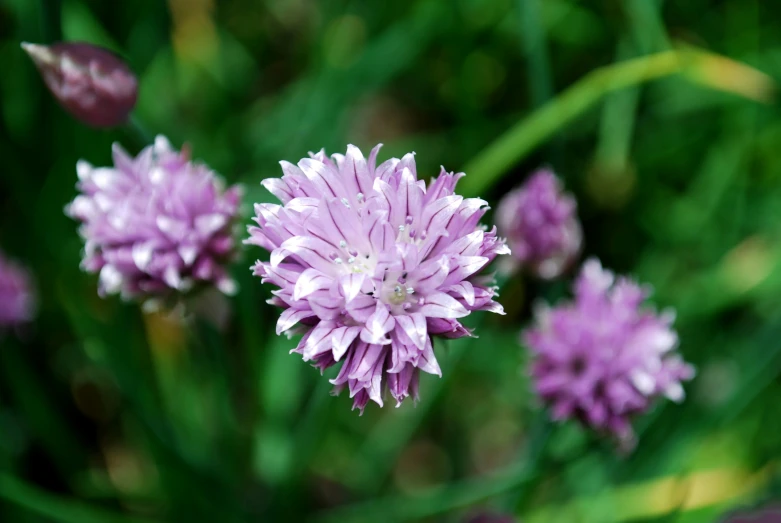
{"points": [[535, 45], [533, 457], [138, 131]]}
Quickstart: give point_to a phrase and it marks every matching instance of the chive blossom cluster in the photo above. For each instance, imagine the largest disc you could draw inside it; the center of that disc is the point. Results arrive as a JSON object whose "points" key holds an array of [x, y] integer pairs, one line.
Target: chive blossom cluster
{"points": [[157, 225], [604, 357], [371, 264]]}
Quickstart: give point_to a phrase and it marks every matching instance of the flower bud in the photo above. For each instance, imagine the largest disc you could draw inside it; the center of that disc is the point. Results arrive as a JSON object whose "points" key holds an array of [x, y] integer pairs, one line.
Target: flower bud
{"points": [[91, 83]]}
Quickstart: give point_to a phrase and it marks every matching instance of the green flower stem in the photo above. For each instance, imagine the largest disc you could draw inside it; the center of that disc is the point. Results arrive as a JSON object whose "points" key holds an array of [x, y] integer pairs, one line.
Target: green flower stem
{"points": [[485, 169], [138, 132], [536, 48], [533, 457]]}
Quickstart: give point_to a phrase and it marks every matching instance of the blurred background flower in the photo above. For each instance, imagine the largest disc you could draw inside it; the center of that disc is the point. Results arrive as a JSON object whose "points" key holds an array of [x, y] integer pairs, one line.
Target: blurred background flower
{"points": [[155, 225], [541, 225], [17, 297], [604, 357]]}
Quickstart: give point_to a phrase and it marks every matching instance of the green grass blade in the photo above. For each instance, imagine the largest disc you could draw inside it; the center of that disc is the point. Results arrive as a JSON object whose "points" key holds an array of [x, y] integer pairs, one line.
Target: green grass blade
{"points": [[57, 508], [529, 133]]}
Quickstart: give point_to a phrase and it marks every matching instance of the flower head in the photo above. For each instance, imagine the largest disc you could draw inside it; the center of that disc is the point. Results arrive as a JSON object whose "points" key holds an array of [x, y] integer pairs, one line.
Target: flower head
{"points": [[371, 263], [17, 299], [155, 225], [90, 82], [541, 226], [603, 358]]}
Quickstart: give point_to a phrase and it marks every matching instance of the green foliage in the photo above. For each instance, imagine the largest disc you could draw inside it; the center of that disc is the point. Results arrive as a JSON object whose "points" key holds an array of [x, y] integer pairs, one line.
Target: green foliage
{"points": [[655, 114]]}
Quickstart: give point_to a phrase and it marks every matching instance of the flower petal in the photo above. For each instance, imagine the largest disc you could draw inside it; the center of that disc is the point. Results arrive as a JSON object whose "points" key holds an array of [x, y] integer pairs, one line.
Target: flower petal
{"points": [[441, 305], [427, 362], [324, 177], [361, 307], [466, 290], [414, 327], [312, 251], [290, 317], [378, 325], [351, 284], [341, 339], [309, 281]]}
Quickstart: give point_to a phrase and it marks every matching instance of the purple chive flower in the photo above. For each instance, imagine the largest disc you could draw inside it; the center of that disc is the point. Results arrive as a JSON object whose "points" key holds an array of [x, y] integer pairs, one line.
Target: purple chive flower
{"points": [[603, 358], [155, 225], [91, 83], [541, 225], [371, 264], [17, 299]]}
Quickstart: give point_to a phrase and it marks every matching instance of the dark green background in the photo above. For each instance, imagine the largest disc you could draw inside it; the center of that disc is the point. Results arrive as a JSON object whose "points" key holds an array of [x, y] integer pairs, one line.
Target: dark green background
{"points": [[107, 415]]}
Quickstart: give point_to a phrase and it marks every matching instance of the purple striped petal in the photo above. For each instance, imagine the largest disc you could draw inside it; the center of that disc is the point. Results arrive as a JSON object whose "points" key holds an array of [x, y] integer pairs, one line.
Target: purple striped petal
{"points": [[441, 305], [378, 325], [290, 317]]}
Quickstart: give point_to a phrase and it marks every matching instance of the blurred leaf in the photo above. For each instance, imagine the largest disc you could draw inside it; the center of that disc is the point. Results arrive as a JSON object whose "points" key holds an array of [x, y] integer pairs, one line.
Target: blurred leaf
{"points": [[57, 508], [521, 139]]}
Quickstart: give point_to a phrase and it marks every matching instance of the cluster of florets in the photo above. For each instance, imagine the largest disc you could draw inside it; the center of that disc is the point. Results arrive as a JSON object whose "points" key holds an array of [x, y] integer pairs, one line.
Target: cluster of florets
{"points": [[541, 225], [156, 225], [371, 264], [604, 357]]}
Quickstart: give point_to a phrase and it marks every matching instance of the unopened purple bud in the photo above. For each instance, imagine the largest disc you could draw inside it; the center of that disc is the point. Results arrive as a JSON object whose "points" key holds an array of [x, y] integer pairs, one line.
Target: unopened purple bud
{"points": [[540, 222], [91, 83]]}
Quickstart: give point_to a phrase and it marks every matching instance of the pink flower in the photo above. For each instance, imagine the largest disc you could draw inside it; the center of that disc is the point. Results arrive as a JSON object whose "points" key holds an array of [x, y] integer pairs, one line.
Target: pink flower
{"points": [[156, 225], [603, 358], [370, 264], [541, 225]]}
